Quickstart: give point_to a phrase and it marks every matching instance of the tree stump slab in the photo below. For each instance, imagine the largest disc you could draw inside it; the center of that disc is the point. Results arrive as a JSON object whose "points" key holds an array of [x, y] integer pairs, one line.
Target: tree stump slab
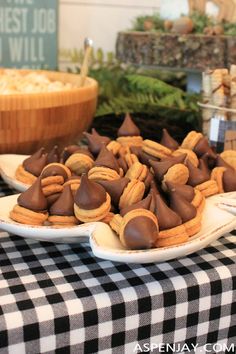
{"points": [[191, 52]]}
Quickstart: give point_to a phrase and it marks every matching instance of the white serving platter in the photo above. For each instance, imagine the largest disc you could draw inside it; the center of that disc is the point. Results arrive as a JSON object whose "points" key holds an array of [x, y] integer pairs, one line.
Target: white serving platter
{"points": [[106, 245], [8, 166]]}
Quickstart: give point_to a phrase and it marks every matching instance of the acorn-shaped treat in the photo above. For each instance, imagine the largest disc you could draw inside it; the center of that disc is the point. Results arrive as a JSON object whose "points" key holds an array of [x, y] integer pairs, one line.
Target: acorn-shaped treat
{"points": [[199, 179], [171, 230], [54, 176], [168, 141], [68, 150], [190, 155], [192, 195], [105, 167], [197, 142], [116, 220], [92, 202], [225, 179], [31, 207], [138, 229], [32, 167], [80, 162], [128, 133], [124, 192], [96, 142], [191, 219], [170, 170], [61, 213]]}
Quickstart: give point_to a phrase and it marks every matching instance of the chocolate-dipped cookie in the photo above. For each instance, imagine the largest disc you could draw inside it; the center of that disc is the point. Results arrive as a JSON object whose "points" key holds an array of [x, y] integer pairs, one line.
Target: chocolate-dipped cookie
{"points": [[91, 202], [31, 207]]}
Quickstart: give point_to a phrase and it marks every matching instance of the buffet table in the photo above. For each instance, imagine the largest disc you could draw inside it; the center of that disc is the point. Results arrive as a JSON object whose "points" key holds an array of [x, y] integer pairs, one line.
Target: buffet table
{"points": [[60, 298]]}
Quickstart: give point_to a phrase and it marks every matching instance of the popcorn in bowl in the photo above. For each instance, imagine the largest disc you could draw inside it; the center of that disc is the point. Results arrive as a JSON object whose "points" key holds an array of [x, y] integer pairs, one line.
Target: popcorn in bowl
{"points": [[14, 82]]}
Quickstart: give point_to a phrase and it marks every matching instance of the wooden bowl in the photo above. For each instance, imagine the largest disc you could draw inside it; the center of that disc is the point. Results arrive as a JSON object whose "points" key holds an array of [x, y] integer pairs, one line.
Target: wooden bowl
{"points": [[30, 121]]}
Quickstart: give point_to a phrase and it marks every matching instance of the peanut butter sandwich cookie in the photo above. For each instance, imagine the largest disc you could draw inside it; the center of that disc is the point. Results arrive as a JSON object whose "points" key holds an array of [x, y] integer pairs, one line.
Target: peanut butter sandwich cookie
{"points": [[54, 176], [80, 162]]}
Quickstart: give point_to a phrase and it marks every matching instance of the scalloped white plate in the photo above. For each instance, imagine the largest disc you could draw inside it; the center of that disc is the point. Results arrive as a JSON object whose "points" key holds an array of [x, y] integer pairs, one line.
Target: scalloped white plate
{"points": [[8, 166], [105, 244]]}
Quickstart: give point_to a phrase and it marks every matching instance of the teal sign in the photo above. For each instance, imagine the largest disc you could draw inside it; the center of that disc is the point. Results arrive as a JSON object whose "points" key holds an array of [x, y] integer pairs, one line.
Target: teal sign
{"points": [[28, 34]]}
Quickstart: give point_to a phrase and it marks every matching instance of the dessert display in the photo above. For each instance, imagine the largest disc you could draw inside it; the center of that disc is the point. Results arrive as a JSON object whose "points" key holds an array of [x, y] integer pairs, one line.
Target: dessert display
{"points": [[152, 194]]}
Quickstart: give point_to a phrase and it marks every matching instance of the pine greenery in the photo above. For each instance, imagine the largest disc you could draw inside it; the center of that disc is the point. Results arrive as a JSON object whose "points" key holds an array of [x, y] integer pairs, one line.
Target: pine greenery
{"points": [[125, 88]]}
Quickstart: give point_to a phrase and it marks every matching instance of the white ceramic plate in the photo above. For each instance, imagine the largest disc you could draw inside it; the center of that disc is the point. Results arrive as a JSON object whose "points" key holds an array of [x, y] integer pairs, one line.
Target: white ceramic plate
{"points": [[8, 166], [105, 244]]}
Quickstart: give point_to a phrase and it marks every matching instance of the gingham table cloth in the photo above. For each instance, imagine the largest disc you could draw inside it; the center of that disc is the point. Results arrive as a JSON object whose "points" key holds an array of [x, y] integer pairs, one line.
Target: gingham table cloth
{"points": [[59, 298]]}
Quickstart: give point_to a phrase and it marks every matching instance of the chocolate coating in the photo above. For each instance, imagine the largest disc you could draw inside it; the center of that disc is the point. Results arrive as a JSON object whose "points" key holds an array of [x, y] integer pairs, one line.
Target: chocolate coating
{"points": [[103, 138], [196, 176], [182, 207], [123, 164], [35, 163], [143, 204], [115, 188], [201, 147], [90, 195], [204, 167], [52, 198], [147, 181], [33, 198], [68, 150], [107, 159], [140, 233], [53, 155], [229, 180], [167, 218], [210, 158], [145, 158], [96, 142], [128, 127], [64, 205], [184, 190], [54, 170], [168, 141]]}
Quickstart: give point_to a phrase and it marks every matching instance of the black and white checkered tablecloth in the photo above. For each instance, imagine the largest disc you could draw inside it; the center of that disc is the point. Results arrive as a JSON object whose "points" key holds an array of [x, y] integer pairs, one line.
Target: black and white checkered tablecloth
{"points": [[59, 298]]}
